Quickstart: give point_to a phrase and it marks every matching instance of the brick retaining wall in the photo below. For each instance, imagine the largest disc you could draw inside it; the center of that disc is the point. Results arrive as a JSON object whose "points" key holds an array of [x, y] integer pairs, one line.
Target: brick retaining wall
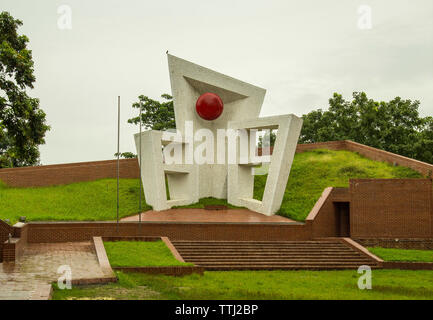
{"points": [[391, 208], [46, 232], [403, 265], [5, 230], [408, 243], [331, 145], [323, 218], [10, 251], [379, 208], [68, 173]]}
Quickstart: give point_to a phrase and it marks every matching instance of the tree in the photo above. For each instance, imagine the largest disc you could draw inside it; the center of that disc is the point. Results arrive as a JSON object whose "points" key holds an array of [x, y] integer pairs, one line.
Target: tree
{"points": [[155, 115], [394, 126], [22, 122], [126, 155]]}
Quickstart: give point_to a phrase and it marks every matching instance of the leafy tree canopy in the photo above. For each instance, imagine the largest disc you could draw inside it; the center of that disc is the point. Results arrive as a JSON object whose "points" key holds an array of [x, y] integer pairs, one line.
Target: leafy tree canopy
{"points": [[394, 126], [155, 115], [22, 122]]}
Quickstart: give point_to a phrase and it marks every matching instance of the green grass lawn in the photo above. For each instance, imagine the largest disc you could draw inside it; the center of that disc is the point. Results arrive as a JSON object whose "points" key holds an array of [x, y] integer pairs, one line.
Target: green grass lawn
{"points": [[391, 254], [208, 201], [311, 173], [288, 285], [140, 254], [315, 170], [94, 200]]}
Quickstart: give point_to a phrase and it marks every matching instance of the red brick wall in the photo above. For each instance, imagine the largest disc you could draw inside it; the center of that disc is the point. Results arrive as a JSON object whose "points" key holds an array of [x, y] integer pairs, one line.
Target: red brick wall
{"points": [[68, 173], [409, 243], [84, 231], [5, 230], [323, 218], [391, 208], [379, 208], [331, 145], [9, 252]]}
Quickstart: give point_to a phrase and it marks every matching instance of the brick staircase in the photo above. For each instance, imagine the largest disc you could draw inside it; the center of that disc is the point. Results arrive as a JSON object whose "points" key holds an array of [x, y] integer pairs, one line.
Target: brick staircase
{"points": [[273, 255]]}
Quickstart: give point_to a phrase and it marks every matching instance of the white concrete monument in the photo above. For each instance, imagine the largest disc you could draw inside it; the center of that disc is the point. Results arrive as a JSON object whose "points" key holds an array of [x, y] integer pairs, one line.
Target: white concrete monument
{"points": [[217, 118]]}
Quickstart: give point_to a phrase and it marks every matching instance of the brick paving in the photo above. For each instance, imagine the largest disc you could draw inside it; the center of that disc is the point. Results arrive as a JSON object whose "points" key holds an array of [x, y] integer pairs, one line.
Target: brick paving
{"points": [[31, 275]]}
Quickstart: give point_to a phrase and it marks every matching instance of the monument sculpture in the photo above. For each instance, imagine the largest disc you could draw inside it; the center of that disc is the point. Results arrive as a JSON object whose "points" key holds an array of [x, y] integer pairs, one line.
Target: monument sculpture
{"points": [[225, 113]]}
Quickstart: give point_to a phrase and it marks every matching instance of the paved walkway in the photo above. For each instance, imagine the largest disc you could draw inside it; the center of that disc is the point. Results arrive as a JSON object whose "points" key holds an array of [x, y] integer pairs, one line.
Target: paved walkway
{"points": [[31, 275], [201, 215]]}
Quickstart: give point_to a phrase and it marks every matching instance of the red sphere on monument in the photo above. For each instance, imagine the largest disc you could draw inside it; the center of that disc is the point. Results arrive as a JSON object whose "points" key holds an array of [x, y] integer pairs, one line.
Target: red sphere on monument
{"points": [[209, 106]]}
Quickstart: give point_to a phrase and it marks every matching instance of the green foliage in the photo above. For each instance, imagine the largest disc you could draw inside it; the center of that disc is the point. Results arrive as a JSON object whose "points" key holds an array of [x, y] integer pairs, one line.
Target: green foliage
{"points": [[155, 115], [391, 254], [126, 155], [22, 122], [85, 201], [315, 170], [393, 126], [140, 254], [251, 285]]}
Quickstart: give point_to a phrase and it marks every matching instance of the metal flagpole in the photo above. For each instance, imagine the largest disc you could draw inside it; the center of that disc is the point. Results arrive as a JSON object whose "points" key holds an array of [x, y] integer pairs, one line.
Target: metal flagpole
{"points": [[118, 156], [141, 187]]}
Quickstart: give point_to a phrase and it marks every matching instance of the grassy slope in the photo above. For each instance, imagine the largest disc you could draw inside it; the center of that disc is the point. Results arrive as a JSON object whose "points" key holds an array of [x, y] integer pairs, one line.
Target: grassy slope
{"points": [[386, 284], [311, 172], [315, 170], [95, 200], [140, 254], [390, 254]]}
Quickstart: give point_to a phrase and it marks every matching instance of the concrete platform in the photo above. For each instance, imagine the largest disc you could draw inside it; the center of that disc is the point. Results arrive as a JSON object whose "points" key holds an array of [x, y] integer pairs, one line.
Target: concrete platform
{"points": [[202, 215]]}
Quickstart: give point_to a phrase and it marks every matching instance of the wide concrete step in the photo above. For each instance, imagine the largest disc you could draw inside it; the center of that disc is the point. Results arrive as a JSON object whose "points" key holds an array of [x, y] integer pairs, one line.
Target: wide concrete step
{"points": [[272, 255], [224, 252], [264, 245], [259, 242], [282, 261], [257, 263], [253, 242], [300, 247], [262, 257]]}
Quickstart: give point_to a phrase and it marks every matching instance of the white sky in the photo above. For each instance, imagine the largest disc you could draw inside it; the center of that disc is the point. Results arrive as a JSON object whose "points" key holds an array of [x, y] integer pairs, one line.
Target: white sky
{"points": [[300, 51]]}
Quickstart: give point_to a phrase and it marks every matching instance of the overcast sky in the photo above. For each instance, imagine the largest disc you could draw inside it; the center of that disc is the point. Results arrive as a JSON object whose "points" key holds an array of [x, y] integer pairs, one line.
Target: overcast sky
{"points": [[300, 51]]}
